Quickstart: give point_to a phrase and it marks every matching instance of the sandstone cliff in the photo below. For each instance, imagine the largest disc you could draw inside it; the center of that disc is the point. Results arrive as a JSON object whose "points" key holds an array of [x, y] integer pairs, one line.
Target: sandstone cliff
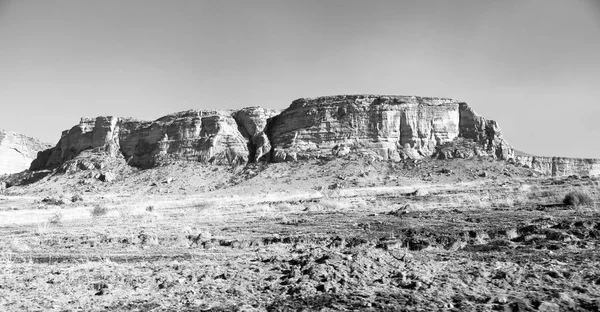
{"points": [[17, 151], [560, 166], [392, 127], [380, 127], [204, 136]]}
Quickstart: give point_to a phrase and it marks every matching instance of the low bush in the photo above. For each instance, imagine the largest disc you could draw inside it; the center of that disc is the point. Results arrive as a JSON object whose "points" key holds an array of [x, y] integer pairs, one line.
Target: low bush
{"points": [[577, 198], [99, 211]]}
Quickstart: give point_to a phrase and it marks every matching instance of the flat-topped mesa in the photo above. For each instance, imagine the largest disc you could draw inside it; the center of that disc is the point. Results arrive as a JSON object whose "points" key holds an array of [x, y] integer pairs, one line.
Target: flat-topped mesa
{"points": [[17, 151], [391, 127], [385, 127]]}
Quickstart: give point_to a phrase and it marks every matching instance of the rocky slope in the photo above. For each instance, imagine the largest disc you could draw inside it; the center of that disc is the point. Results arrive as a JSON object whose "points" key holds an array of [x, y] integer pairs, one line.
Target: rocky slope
{"points": [[17, 151], [379, 127]]}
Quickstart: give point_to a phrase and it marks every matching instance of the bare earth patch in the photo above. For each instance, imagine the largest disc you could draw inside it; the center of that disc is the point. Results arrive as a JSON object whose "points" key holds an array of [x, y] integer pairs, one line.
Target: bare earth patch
{"points": [[457, 242]]}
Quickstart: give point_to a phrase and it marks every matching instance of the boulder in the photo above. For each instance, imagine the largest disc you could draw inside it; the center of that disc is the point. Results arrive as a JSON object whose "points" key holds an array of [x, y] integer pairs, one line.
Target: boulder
{"points": [[107, 177]]}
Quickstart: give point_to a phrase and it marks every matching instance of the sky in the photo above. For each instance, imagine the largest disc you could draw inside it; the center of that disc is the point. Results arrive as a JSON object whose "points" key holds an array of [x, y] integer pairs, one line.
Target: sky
{"points": [[531, 65]]}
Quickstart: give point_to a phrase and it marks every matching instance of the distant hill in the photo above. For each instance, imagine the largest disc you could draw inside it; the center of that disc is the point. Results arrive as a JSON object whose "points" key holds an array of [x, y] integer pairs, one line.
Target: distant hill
{"points": [[17, 151]]}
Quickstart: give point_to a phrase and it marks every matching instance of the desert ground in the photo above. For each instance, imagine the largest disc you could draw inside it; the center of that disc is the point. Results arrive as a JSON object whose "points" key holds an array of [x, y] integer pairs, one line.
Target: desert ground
{"points": [[342, 234]]}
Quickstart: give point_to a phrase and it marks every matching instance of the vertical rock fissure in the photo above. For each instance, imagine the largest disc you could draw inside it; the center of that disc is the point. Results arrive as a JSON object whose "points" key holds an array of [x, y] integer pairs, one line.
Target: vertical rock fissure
{"points": [[246, 134], [270, 136]]}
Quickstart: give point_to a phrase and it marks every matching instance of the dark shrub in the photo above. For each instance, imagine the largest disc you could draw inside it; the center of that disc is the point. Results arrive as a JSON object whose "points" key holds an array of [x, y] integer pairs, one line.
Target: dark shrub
{"points": [[577, 198], [99, 211], [76, 198], [53, 201]]}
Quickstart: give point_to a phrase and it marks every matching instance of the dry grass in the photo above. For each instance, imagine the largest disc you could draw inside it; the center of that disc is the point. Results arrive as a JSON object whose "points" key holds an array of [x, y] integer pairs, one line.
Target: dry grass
{"points": [[208, 204], [260, 208], [56, 218], [335, 204], [286, 207]]}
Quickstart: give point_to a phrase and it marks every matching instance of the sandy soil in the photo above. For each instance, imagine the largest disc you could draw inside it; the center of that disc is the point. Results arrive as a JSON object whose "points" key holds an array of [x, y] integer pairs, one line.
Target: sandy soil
{"points": [[343, 235]]}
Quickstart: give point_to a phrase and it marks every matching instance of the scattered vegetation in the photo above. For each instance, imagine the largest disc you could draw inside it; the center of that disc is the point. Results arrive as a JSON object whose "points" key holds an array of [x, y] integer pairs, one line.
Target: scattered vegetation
{"points": [[99, 211], [76, 198], [578, 198], [53, 201], [208, 204]]}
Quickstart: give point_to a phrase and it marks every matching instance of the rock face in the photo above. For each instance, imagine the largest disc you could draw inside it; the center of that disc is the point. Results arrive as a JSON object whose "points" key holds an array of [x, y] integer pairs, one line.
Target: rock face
{"points": [[380, 127], [205, 136], [393, 127], [17, 151], [560, 166], [252, 123]]}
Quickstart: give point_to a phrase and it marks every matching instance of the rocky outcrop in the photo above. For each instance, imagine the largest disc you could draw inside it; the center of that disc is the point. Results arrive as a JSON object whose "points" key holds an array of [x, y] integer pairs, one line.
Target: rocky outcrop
{"points": [[392, 127], [380, 127], [483, 131], [560, 166], [252, 122], [17, 151], [205, 136]]}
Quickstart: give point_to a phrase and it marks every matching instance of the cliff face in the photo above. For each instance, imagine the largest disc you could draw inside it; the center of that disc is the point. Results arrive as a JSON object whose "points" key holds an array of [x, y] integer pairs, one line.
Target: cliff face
{"points": [[205, 136], [383, 127], [393, 127], [560, 166], [17, 151], [253, 123]]}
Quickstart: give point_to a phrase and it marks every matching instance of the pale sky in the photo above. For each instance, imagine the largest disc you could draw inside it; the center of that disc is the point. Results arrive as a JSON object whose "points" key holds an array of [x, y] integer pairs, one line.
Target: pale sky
{"points": [[531, 65]]}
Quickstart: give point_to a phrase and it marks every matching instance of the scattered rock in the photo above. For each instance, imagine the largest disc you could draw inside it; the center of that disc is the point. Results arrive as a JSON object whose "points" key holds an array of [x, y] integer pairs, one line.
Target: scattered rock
{"points": [[420, 192], [548, 307], [107, 177], [86, 165], [340, 150], [57, 201], [336, 186]]}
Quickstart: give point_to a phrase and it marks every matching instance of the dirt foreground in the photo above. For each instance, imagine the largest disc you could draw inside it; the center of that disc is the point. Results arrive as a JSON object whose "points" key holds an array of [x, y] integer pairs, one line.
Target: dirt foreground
{"points": [[457, 240]]}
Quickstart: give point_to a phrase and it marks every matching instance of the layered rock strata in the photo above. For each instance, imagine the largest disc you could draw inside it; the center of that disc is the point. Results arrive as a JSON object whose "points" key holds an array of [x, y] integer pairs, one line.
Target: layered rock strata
{"points": [[382, 127], [393, 127], [204, 136], [253, 123], [560, 166], [17, 151]]}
